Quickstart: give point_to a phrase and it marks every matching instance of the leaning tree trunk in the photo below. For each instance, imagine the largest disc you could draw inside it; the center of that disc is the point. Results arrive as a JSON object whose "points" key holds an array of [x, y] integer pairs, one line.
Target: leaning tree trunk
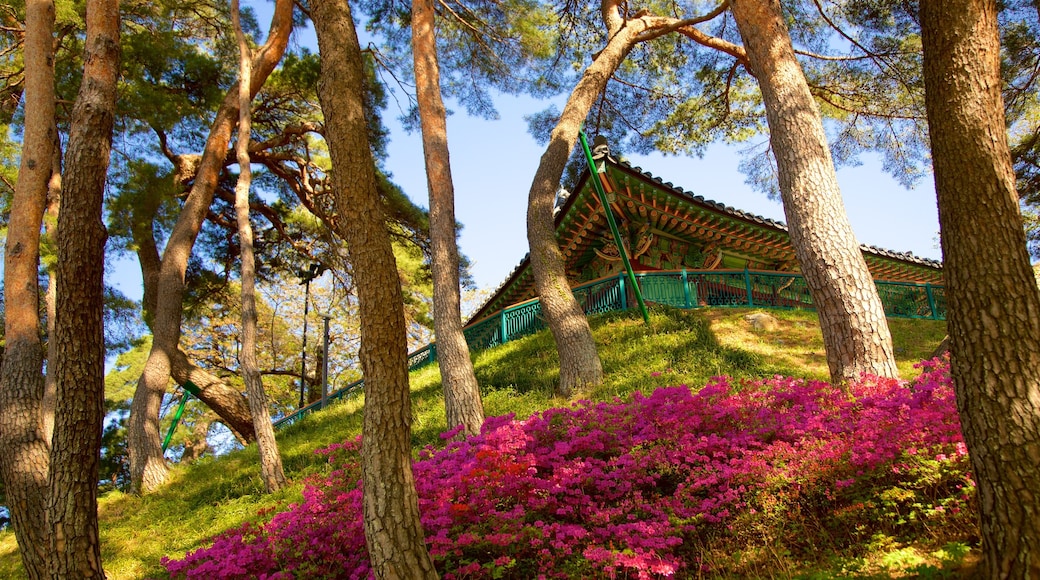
{"points": [[852, 319], [462, 402], [225, 400], [24, 459], [222, 398], [579, 362], [148, 468], [267, 447], [79, 327], [393, 531], [993, 302]]}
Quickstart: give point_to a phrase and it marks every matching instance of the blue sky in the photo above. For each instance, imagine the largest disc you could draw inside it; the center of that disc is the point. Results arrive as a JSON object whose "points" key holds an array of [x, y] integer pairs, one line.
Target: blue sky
{"points": [[493, 163]]}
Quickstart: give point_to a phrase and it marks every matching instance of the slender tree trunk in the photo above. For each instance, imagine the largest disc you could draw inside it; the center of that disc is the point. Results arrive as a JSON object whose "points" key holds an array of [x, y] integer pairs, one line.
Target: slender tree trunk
{"points": [[393, 531], [25, 456], [994, 305], [142, 224], [852, 319], [270, 461], [462, 402], [50, 228], [198, 446], [79, 327], [579, 362], [148, 468]]}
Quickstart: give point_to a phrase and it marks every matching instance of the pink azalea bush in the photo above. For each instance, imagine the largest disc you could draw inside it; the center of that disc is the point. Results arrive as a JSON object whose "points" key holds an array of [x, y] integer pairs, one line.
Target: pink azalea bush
{"points": [[630, 489]]}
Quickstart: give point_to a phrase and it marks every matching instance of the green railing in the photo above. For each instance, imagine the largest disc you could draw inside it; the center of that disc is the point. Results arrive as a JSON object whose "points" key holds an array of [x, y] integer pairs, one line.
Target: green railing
{"points": [[680, 289], [300, 413]]}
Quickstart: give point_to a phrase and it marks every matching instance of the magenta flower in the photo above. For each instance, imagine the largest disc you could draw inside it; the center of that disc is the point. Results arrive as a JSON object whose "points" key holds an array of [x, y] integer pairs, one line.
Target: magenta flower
{"points": [[620, 489]]}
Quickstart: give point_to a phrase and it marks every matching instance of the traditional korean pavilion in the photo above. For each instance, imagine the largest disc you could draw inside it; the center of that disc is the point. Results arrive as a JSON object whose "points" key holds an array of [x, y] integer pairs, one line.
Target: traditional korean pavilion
{"points": [[689, 251]]}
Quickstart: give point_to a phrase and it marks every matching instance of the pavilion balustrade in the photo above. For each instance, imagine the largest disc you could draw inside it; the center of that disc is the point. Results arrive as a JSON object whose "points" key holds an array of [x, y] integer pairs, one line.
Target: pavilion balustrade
{"points": [[680, 289]]}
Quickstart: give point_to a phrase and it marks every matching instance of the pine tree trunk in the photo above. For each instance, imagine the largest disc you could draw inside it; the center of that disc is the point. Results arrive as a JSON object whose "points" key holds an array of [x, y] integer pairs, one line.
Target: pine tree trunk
{"points": [[142, 230], [579, 362], [852, 318], [148, 469], [25, 457], [197, 446], [50, 228], [393, 531], [225, 400], [79, 327], [993, 302], [270, 462], [462, 402]]}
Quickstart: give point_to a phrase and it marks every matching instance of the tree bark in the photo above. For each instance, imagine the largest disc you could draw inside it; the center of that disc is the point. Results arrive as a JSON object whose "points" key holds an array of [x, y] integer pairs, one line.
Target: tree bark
{"points": [[25, 458], [393, 531], [225, 400], [852, 318], [270, 462], [148, 468], [993, 302], [579, 362], [197, 445], [462, 402], [79, 326]]}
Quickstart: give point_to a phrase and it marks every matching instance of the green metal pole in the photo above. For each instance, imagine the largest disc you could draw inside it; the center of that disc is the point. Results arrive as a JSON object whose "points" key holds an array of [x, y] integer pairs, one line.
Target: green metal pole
{"points": [[685, 288], [931, 301], [613, 225], [193, 389], [750, 290], [176, 419], [622, 291]]}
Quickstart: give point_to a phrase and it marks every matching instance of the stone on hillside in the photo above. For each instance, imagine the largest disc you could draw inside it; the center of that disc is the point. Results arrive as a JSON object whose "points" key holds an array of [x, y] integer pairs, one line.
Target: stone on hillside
{"points": [[762, 321]]}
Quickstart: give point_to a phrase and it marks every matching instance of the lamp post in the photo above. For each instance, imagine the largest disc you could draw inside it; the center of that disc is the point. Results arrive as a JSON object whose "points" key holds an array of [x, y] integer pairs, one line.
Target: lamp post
{"points": [[325, 361], [306, 276]]}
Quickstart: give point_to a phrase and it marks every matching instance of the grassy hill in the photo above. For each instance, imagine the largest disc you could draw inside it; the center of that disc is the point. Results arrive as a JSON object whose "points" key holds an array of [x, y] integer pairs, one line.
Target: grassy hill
{"points": [[679, 348]]}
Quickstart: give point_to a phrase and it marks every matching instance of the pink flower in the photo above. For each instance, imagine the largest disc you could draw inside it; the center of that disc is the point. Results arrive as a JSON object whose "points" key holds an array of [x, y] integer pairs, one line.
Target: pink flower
{"points": [[615, 489]]}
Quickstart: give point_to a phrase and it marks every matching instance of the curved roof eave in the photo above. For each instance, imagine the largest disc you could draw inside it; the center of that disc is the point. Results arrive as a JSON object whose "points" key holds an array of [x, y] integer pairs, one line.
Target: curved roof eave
{"points": [[689, 197]]}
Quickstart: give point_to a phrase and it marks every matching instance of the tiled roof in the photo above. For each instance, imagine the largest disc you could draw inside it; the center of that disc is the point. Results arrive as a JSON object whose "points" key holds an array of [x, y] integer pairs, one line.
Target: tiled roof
{"points": [[702, 201], [729, 210]]}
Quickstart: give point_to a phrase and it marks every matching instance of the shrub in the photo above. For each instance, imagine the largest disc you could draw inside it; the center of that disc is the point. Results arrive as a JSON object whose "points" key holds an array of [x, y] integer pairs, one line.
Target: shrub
{"points": [[626, 489]]}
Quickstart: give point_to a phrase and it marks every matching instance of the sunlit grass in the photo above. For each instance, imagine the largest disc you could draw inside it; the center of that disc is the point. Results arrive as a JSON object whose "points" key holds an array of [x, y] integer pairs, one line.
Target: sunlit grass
{"points": [[797, 345], [678, 347], [10, 565]]}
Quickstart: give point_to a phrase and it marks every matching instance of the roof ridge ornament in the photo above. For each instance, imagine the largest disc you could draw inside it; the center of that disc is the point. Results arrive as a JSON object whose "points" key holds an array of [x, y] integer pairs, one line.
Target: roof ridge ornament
{"points": [[600, 149]]}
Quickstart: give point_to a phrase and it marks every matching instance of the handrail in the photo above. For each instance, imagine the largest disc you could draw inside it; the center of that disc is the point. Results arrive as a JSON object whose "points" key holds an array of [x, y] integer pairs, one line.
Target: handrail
{"points": [[687, 289]]}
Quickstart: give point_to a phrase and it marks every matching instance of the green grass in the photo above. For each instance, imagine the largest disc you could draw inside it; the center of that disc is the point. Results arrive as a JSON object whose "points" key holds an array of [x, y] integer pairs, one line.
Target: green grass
{"points": [[678, 347]]}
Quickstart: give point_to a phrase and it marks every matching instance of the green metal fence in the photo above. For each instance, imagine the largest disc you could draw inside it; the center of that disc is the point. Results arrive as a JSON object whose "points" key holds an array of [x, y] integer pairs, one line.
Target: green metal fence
{"points": [[694, 289], [680, 289]]}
